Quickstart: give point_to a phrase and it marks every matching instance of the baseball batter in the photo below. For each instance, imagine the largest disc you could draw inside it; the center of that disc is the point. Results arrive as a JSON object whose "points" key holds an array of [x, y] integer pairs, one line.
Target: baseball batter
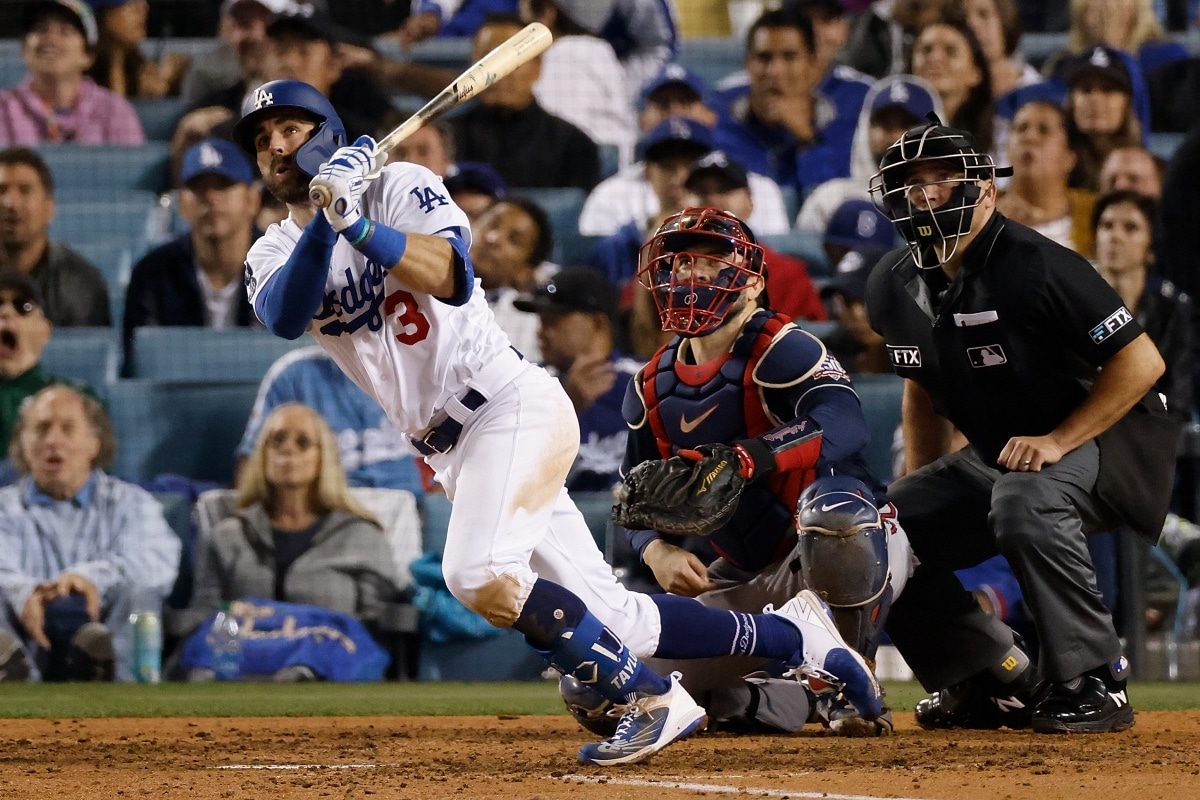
{"points": [[381, 278]]}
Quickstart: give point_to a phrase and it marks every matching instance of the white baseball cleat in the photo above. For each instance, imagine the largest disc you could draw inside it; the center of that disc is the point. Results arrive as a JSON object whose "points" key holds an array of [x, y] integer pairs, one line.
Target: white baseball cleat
{"points": [[650, 723], [824, 654]]}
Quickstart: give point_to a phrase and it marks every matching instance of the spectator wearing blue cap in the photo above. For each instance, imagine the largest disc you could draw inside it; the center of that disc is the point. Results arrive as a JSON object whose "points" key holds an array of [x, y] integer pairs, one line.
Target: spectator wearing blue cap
{"points": [[475, 187], [794, 121], [630, 197], [1105, 90], [858, 235], [196, 278], [893, 105]]}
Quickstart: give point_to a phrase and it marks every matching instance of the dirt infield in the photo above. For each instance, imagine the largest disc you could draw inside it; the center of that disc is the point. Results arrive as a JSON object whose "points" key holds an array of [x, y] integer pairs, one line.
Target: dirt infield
{"points": [[534, 757]]}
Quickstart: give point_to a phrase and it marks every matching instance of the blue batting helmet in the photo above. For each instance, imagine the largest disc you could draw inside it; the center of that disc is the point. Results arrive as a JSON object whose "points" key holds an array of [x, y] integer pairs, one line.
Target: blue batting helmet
{"points": [[329, 135]]}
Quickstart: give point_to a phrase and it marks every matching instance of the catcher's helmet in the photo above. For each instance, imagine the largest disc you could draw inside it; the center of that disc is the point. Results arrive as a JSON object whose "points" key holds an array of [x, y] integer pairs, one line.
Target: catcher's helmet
{"points": [[921, 224], [328, 136], [590, 709], [691, 301]]}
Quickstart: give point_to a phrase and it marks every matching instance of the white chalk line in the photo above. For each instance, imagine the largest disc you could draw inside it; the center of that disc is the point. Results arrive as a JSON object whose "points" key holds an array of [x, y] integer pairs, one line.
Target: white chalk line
{"points": [[609, 780], [717, 788]]}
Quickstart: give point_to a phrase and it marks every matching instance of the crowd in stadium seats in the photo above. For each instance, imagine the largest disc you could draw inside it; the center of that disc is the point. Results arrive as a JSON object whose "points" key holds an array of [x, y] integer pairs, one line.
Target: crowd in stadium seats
{"points": [[126, 210]]}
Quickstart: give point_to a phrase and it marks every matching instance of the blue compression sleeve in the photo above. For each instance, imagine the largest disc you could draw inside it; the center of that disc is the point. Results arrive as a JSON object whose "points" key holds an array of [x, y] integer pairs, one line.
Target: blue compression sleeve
{"points": [[386, 245], [288, 302]]}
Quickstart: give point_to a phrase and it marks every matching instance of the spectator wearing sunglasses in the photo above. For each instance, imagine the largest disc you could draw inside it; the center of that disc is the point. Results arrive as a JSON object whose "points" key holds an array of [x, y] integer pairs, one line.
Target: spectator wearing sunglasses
{"points": [[24, 331], [72, 290]]}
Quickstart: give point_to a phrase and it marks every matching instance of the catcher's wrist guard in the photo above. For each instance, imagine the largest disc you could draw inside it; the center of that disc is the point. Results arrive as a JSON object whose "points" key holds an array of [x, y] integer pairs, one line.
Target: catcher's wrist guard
{"points": [[796, 445]]}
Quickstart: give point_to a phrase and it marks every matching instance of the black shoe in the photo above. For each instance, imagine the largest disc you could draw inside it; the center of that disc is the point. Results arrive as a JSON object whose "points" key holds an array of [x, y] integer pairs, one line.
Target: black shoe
{"points": [[1084, 705], [91, 656], [968, 706], [14, 665]]}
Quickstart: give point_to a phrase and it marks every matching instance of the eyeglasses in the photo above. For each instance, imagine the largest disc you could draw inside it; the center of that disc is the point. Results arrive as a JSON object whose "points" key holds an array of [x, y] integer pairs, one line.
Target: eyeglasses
{"points": [[24, 306], [302, 441]]}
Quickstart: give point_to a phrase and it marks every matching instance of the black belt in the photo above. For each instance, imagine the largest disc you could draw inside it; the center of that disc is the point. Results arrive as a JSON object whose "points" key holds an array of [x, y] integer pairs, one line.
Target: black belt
{"points": [[442, 437]]}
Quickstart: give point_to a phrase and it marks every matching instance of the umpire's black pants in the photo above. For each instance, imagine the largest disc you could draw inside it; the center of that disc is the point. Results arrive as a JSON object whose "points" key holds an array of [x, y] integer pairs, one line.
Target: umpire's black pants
{"points": [[958, 512]]}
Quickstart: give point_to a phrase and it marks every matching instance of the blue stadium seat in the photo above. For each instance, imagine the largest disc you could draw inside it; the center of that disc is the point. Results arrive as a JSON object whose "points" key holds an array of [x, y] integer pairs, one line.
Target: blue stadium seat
{"points": [[88, 355], [572, 250], [114, 258], [504, 657], [712, 58], [200, 354], [1164, 144], [105, 169], [610, 160], [880, 396], [562, 205], [128, 220], [439, 51], [159, 117], [435, 518], [802, 244], [179, 427]]}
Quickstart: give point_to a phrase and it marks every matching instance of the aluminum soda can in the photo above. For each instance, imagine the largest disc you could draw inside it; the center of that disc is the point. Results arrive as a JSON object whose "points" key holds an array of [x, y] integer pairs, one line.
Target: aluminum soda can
{"points": [[147, 646]]}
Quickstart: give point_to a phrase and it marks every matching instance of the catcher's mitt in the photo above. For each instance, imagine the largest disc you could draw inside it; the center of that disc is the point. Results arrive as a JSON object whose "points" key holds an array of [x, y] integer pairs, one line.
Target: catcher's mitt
{"points": [[682, 496]]}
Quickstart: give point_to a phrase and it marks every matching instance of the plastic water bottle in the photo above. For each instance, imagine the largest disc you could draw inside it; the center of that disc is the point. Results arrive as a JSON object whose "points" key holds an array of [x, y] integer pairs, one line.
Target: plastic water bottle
{"points": [[225, 640]]}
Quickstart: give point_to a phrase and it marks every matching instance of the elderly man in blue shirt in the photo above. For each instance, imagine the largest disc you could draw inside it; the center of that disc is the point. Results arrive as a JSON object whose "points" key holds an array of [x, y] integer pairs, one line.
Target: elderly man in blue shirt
{"points": [[79, 549]]}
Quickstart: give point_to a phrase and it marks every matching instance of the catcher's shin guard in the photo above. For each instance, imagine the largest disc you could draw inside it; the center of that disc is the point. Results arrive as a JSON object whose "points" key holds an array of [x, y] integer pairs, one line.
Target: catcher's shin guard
{"points": [[844, 557]]}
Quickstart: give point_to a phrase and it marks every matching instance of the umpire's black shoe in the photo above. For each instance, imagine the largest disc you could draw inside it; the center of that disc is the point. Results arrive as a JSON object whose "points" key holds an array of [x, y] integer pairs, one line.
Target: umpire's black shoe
{"points": [[1084, 705], [967, 706]]}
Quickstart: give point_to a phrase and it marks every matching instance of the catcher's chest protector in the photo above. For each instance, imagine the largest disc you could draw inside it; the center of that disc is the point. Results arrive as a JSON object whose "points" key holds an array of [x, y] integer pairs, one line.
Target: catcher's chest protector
{"points": [[716, 402]]}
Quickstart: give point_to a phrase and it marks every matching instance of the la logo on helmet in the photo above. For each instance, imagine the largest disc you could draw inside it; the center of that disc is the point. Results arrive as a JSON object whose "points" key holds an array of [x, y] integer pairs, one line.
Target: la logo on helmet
{"points": [[263, 98]]}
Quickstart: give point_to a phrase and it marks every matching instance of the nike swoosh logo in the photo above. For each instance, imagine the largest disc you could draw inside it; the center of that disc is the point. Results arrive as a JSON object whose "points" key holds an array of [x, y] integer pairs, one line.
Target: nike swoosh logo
{"points": [[687, 426], [835, 505]]}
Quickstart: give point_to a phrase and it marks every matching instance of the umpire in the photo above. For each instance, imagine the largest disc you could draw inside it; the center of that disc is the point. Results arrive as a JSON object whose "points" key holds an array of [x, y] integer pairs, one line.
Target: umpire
{"points": [[1020, 345]]}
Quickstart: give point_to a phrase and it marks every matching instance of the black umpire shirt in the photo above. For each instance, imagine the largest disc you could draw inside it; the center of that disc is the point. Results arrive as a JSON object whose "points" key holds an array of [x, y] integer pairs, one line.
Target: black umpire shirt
{"points": [[1009, 347]]}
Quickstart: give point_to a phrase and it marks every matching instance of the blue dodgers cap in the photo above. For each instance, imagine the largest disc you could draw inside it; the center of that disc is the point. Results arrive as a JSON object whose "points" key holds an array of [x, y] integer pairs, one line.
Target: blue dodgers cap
{"points": [[859, 225], [217, 157], [673, 74], [906, 92], [1100, 60], [475, 176], [717, 171], [676, 135]]}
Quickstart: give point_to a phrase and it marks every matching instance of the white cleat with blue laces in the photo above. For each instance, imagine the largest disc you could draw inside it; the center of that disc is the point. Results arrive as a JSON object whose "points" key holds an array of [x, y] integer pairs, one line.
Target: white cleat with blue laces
{"points": [[824, 654], [650, 723]]}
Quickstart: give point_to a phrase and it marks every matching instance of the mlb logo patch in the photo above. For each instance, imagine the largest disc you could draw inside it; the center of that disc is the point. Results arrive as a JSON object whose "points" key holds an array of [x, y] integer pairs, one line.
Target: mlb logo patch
{"points": [[990, 355], [1117, 320], [903, 356]]}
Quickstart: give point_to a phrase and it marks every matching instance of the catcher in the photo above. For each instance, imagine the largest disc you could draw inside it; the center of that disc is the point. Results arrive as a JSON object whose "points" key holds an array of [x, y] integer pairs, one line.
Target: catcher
{"points": [[744, 429]]}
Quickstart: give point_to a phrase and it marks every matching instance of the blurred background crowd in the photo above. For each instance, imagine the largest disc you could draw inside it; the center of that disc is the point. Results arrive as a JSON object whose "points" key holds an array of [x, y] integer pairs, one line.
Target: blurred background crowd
{"points": [[176, 452]]}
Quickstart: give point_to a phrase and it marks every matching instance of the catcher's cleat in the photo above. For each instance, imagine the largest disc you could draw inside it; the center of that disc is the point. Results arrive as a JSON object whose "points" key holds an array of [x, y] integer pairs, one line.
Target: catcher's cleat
{"points": [[824, 654], [835, 713], [1085, 705], [967, 706], [650, 723]]}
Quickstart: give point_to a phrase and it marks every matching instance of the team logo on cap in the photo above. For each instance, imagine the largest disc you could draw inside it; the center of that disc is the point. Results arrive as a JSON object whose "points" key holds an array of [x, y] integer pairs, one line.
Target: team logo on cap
{"points": [[1099, 58], [865, 226], [262, 99], [898, 92], [210, 156]]}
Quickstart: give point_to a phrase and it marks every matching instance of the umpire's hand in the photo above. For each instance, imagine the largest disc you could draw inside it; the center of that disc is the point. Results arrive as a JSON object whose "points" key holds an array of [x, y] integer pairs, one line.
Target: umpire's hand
{"points": [[1030, 453]]}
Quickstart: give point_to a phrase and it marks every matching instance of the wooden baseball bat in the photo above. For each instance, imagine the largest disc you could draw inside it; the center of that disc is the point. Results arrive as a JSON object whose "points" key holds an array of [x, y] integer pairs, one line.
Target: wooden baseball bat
{"points": [[524, 45]]}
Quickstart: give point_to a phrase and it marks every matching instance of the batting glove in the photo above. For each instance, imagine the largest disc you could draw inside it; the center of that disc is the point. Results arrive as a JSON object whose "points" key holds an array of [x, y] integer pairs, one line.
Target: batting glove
{"points": [[345, 176]]}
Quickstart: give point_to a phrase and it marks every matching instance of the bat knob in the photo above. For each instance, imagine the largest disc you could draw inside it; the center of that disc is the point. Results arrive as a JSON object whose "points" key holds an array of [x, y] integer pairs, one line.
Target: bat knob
{"points": [[320, 195]]}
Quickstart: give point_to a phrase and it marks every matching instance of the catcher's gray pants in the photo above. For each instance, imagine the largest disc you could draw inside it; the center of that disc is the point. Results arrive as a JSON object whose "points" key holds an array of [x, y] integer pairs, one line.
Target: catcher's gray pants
{"points": [[719, 684], [958, 512]]}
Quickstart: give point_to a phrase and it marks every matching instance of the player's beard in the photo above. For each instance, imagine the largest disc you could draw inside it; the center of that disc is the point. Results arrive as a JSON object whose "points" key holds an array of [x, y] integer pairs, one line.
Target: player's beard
{"points": [[292, 186]]}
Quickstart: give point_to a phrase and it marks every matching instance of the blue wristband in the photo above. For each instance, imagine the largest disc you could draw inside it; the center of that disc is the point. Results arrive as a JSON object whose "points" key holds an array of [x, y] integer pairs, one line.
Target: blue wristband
{"points": [[381, 244], [357, 232]]}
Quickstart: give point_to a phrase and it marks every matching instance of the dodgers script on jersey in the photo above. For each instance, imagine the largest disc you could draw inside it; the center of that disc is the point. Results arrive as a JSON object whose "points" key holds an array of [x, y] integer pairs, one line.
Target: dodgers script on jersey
{"points": [[435, 346]]}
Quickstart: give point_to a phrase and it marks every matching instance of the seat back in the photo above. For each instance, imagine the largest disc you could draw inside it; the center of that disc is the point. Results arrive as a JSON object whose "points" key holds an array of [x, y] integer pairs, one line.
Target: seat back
{"points": [[192, 354], [108, 168], [87, 355], [189, 428], [880, 396]]}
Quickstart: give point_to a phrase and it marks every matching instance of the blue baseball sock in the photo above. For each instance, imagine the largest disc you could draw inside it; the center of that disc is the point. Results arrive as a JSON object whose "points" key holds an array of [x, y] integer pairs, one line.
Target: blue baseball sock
{"points": [[691, 629], [558, 625]]}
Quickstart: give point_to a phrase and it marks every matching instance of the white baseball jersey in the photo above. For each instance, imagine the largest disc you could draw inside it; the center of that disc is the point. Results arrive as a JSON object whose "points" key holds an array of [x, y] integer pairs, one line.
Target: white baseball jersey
{"points": [[431, 351]]}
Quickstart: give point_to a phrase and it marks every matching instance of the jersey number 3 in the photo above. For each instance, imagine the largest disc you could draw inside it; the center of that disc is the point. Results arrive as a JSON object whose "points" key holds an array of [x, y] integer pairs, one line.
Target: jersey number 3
{"points": [[414, 327]]}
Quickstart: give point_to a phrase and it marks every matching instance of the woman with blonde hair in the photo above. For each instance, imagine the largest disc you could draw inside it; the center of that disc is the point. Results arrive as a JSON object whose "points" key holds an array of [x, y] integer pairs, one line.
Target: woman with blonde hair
{"points": [[1129, 25], [297, 536]]}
